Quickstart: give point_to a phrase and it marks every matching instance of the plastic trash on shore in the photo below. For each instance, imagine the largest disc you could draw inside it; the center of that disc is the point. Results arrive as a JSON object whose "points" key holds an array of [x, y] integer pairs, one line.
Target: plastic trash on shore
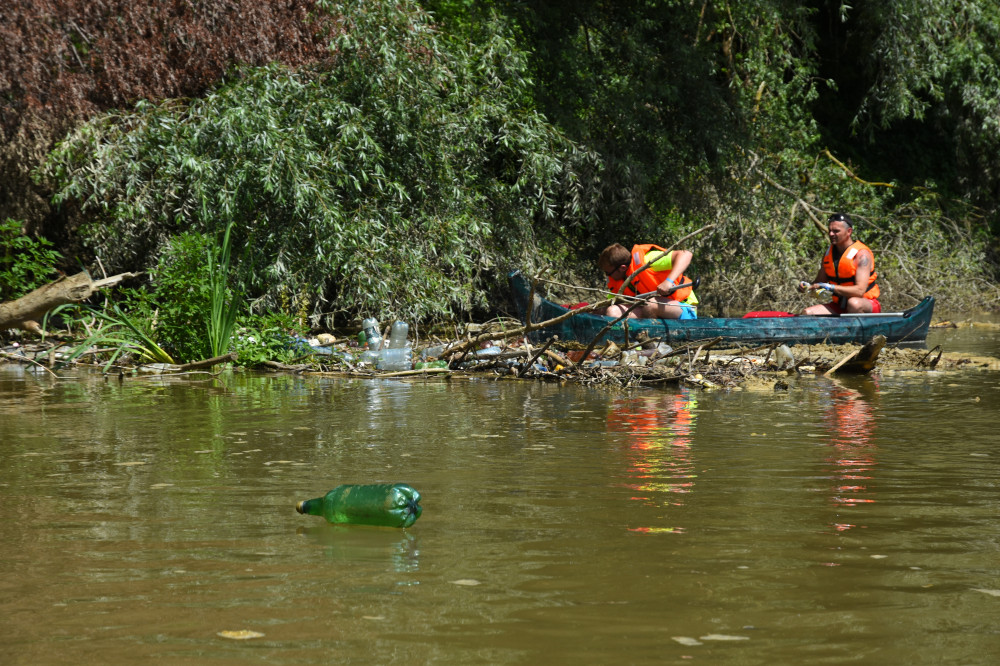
{"points": [[394, 359]]}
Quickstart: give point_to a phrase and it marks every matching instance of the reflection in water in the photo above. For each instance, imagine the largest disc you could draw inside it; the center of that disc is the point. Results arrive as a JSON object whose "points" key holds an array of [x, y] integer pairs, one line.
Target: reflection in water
{"points": [[851, 424], [658, 429], [528, 485], [397, 549]]}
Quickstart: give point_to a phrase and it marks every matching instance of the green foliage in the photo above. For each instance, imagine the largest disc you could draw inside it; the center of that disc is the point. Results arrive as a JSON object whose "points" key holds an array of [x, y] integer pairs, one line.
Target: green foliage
{"points": [[718, 114], [917, 92], [224, 306], [400, 176], [179, 298], [125, 334], [266, 337], [25, 263], [392, 181]]}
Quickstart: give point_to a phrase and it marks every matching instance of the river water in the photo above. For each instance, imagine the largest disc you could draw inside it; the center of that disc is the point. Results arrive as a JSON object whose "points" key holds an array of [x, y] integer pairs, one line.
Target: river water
{"points": [[840, 521]]}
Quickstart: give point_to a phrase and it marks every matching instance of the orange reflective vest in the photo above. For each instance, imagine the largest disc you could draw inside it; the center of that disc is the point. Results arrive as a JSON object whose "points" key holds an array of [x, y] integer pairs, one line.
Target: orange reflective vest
{"points": [[649, 279], [844, 270]]}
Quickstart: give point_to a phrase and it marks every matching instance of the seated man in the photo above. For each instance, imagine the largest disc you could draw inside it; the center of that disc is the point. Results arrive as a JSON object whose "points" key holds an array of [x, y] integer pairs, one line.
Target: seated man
{"points": [[847, 272], [660, 277]]}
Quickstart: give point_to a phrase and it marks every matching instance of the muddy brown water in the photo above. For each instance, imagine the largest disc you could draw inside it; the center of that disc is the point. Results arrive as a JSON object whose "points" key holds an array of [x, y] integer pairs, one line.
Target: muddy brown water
{"points": [[840, 521]]}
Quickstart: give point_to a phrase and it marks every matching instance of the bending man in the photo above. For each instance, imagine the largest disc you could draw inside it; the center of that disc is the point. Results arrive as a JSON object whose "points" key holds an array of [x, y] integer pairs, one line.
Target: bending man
{"points": [[660, 277], [847, 272]]}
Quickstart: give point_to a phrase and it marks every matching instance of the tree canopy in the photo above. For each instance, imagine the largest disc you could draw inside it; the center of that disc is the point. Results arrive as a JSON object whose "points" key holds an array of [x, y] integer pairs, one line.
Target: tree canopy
{"points": [[377, 156], [390, 177]]}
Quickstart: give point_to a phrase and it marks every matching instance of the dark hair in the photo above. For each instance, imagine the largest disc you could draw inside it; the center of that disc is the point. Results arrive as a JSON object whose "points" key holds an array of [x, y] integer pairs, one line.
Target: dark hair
{"points": [[841, 217]]}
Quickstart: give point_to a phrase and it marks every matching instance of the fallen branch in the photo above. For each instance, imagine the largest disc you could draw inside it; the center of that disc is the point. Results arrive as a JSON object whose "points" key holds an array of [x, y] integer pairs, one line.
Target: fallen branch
{"points": [[208, 362], [538, 353], [861, 360], [933, 363], [285, 367], [27, 311], [22, 357]]}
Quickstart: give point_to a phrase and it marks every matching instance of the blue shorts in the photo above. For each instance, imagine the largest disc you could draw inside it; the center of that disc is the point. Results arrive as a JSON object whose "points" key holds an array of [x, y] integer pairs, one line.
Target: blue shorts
{"points": [[688, 312]]}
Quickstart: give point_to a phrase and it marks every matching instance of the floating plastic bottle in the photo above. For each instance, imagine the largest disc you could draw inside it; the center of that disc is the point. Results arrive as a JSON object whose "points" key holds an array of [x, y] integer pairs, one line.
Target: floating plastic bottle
{"points": [[372, 335], [395, 359], [397, 336], [485, 352], [433, 351], [369, 356], [385, 504], [427, 365], [345, 356]]}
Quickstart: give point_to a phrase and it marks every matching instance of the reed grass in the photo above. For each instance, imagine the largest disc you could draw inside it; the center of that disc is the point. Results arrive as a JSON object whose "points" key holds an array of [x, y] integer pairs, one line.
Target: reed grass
{"points": [[225, 307], [121, 332]]}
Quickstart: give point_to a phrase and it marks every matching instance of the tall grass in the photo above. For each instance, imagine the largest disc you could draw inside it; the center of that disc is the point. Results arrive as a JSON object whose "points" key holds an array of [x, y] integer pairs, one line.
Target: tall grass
{"points": [[122, 333], [225, 307]]}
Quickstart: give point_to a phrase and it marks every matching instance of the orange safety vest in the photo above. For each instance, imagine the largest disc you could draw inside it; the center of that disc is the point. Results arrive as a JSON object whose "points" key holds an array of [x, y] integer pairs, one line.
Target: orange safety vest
{"points": [[845, 269], [649, 279]]}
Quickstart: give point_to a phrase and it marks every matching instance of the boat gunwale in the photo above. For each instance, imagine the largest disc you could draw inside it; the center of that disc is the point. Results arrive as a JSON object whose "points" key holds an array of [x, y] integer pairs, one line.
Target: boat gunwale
{"points": [[783, 329]]}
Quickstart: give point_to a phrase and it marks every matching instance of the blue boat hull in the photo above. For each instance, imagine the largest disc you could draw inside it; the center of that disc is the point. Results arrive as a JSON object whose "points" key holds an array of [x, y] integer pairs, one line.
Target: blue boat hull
{"points": [[907, 327]]}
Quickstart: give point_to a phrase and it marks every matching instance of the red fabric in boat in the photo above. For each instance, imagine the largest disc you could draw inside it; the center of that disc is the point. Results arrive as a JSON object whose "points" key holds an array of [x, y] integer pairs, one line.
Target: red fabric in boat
{"points": [[575, 306], [767, 313]]}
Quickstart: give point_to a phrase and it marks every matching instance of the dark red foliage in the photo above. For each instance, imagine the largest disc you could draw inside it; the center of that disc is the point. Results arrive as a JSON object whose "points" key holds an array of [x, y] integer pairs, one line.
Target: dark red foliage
{"points": [[62, 60]]}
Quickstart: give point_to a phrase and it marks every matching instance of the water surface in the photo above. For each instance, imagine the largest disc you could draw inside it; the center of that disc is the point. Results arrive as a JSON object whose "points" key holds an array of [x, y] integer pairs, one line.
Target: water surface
{"points": [[840, 521]]}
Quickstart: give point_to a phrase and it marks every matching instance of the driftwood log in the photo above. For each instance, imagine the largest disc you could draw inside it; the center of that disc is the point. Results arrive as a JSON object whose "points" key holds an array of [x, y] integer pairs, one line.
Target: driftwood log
{"points": [[861, 360], [27, 311]]}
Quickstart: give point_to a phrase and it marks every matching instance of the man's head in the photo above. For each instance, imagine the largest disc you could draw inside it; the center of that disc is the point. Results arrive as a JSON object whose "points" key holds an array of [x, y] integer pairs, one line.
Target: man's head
{"points": [[840, 230], [614, 260]]}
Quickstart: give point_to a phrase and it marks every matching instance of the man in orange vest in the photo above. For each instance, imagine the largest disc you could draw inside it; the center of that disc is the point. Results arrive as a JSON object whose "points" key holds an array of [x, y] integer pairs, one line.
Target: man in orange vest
{"points": [[664, 270], [847, 273]]}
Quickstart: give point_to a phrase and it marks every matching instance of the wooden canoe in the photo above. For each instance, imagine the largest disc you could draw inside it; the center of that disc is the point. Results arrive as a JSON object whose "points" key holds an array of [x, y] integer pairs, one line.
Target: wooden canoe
{"points": [[907, 327]]}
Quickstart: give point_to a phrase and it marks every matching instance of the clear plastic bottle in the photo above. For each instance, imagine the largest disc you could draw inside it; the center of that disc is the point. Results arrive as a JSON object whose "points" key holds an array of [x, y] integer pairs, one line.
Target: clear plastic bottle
{"points": [[427, 365], [632, 357], [434, 351], [485, 352], [397, 336], [372, 335], [783, 356], [395, 359], [368, 357], [386, 504]]}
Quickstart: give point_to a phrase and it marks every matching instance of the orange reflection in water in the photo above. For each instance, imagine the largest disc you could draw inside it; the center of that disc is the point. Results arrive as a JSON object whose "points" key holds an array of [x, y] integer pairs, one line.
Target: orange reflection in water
{"points": [[657, 433], [850, 422]]}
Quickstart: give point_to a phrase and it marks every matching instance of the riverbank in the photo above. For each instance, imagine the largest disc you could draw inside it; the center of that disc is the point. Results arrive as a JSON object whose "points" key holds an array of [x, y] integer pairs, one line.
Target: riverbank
{"points": [[490, 350]]}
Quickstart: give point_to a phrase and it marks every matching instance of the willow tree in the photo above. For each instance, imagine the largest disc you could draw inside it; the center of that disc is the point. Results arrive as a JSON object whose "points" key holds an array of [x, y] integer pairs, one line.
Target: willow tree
{"points": [[762, 116], [389, 179], [64, 61]]}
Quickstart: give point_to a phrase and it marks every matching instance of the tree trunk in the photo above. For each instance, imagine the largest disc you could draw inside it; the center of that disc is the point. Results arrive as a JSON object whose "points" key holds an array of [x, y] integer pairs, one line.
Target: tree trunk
{"points": [[27, 311]]}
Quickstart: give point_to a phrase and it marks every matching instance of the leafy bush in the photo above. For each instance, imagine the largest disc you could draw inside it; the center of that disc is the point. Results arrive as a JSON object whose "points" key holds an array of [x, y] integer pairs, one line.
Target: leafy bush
{"points": [[25, 263], [126, 335], [179, 296], [266, 337], [391, 181], [190, 308]]}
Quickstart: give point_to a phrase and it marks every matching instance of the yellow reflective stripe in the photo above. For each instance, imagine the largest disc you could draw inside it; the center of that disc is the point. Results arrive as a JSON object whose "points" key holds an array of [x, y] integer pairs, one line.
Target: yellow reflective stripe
{"points": [[664, 263]]}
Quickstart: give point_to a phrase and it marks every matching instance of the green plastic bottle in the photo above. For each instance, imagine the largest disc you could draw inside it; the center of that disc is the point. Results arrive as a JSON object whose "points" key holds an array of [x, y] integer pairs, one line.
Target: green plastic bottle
{"points": [[386, 504]]}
